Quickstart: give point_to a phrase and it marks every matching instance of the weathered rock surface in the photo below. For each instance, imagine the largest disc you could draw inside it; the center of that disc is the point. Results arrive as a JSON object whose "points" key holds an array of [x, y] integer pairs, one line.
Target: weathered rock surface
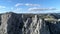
{"points": [[11, 23]]}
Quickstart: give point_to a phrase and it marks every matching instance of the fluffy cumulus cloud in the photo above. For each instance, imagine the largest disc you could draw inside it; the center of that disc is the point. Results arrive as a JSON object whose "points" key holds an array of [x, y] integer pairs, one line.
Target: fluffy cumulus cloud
{"points": [[26, 4], [41, 9]]}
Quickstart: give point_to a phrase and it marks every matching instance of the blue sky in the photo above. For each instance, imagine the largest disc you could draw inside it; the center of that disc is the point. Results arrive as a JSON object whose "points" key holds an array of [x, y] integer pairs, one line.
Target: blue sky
{"points": [[30, 6]]}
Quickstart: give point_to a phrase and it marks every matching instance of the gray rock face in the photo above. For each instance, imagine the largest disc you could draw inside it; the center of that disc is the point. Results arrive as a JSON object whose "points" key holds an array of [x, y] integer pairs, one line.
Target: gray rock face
{"points": [[11, 23]]}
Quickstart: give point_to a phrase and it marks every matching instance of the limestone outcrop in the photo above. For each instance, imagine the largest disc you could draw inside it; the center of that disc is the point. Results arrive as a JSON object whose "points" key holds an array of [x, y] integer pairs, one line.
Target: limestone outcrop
{"points": [[12, 23]]}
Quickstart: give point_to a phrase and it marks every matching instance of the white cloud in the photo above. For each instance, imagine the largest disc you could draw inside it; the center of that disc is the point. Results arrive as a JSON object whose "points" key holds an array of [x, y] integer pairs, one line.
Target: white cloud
{"points": [[41, 9], [2, 7], [26, 4], [18, 4]]}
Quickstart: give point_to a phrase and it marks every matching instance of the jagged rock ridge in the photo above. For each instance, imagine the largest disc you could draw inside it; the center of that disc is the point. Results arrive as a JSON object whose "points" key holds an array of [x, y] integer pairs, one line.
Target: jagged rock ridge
{"points": [[12, 23]]}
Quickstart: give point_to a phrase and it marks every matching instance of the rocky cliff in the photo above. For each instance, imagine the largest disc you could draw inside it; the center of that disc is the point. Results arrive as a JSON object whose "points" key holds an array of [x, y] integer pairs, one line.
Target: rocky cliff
{"points": [[12, 23]]}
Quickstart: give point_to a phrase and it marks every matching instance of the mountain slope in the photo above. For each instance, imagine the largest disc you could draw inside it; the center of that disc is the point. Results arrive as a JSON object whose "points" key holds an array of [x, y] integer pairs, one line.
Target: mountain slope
{"points": [[12, 23]]}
